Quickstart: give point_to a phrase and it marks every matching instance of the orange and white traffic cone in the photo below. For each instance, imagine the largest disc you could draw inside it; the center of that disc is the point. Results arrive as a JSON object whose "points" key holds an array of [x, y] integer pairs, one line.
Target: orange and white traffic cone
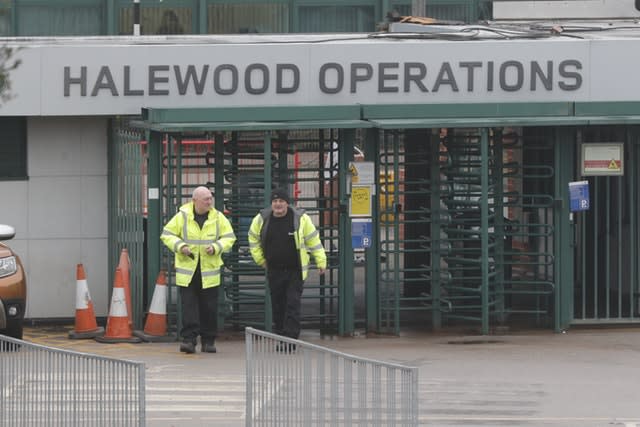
{"points": [[124, 264], [85, 324], [118, 327], [155, 328]]}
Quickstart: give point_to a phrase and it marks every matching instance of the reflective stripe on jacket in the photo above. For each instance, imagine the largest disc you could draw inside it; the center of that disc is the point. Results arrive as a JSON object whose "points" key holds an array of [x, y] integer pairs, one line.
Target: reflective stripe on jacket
{"points": [[183, 230], [306, 237]]}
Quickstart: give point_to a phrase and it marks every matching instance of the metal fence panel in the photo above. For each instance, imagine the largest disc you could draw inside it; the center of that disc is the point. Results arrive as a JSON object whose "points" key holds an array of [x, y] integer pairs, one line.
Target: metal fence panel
{"points": [[127, 213], [291, 382], [43, 386]]}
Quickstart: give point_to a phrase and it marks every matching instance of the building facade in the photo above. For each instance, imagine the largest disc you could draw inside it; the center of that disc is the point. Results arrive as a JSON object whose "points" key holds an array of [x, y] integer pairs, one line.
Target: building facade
{"points": [[459, 214]]}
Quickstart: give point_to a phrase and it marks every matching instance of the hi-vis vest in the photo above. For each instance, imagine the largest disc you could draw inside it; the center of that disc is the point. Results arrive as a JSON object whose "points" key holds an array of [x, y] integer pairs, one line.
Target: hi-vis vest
{"points": [[306, 237], [183, 230]]}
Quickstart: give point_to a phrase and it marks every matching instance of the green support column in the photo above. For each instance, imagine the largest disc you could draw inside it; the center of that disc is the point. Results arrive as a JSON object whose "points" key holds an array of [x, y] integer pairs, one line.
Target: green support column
{"points": [[218, 171], [268, 315], [14, 19], [154, 207], [436, 227], [484, 227], [218, 192], [345, 248], [372, 254], [202, 17], [268, 174], [498, 225], [633, 138], [564, 241], [283, 165], [111, 23], [385, 7]]}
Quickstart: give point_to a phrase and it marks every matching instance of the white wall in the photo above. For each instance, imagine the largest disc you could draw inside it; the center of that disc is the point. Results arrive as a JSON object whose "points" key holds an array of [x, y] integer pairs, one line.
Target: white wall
{"points": [[564, 9], [60, 213]]}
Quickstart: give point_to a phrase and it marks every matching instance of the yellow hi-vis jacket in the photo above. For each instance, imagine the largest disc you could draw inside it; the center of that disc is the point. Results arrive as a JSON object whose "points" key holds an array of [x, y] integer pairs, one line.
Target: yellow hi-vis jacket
{"points": [[183, 230], [306, 237]]}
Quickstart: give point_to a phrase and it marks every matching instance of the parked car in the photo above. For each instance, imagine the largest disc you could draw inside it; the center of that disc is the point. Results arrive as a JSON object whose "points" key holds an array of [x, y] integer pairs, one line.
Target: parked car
{"points": [[13, 287]]}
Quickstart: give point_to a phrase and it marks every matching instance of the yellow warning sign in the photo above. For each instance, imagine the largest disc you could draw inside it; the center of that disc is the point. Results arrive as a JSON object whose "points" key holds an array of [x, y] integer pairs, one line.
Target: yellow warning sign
{"points": [[354, 173], [360, 200], [614, 165]]}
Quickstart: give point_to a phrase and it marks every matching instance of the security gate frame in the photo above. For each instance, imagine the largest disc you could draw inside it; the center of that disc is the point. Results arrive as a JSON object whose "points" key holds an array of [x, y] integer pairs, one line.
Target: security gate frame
{"points": [[335, 293], [473, 241], [561, 119]]}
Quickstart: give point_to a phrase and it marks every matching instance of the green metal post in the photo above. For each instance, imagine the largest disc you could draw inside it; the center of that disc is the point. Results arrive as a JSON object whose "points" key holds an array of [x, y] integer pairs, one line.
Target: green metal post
{"points": [[111, 27], [631, 170], [436, 224], [176, 172], [14, 18], [154, 207], [268, 173], [202, 17], [397, 293], [179, 169], [268, 315], [372, 254], [283, 166], [564, 241], [294, 16], [218, 171], [385, 7], [345, 285], [475, 11], [498, 227], [484, 226], [218, 176], [112, 158]]}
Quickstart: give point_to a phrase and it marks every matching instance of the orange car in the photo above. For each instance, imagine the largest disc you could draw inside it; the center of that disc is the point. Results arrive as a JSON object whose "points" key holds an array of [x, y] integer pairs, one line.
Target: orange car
{"points": [[13, 287]]}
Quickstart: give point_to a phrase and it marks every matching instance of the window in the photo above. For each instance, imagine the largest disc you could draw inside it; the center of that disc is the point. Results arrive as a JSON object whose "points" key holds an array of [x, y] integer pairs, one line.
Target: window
{"points": [[78, 18], [5, 18], [270, 17], [13, 148], [329, 19], [157, 20]]}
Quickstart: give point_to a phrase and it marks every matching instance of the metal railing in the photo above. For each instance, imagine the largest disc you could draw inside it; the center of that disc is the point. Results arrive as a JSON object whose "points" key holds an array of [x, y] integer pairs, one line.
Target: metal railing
{"points": [[43, 386], [294, 383]]}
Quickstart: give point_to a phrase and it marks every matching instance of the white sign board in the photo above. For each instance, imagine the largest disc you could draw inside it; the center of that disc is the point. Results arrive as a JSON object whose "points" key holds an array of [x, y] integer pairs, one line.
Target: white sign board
{"points": [[602, 159], [85, 78]]}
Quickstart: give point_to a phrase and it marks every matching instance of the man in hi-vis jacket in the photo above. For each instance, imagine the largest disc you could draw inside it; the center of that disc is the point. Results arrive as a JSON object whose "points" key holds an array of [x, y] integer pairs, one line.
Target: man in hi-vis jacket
{"points": [[198, 235], [281, 238]]}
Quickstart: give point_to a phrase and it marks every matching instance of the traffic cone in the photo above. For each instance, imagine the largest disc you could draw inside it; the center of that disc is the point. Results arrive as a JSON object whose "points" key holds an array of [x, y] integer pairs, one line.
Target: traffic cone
{"points": [[118, 328], [155, 328], [85, 324], [124, 265]]}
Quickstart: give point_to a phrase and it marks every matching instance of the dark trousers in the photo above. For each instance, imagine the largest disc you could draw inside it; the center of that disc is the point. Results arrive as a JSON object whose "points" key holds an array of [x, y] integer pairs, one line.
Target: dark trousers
{"points": [[286, 292], [199, 311]]}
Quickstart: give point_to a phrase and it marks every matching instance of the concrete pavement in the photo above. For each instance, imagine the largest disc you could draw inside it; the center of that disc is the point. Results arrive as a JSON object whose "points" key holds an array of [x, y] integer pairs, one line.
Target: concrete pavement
{"points": [[583, 378]]}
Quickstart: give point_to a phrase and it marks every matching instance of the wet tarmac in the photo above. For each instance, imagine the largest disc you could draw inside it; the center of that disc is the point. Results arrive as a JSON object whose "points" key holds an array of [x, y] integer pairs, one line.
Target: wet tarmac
{"points": [[582, 378]]}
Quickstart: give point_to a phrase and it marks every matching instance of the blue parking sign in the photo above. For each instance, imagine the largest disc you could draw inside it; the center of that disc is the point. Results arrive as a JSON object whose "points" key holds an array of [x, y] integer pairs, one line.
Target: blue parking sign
{"points": [[361, 233], [579, 196]]}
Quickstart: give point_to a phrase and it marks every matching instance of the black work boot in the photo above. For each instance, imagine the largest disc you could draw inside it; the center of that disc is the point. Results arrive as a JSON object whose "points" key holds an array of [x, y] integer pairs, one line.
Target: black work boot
{"points": [[209, 347], [188, 347]]}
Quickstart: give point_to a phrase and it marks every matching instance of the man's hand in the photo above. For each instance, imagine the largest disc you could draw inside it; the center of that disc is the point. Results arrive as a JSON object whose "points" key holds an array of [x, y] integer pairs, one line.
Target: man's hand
{"points": [[321, 271], [210, 250], [185, 250]]}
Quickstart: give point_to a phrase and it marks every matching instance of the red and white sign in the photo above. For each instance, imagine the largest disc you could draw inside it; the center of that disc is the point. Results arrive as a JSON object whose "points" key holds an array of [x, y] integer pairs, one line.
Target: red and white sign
{"points": [[602, 159]]}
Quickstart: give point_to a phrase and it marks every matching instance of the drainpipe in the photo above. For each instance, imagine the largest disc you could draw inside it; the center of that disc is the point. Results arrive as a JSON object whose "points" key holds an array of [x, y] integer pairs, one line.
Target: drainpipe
{"points": [[136, 17]]}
